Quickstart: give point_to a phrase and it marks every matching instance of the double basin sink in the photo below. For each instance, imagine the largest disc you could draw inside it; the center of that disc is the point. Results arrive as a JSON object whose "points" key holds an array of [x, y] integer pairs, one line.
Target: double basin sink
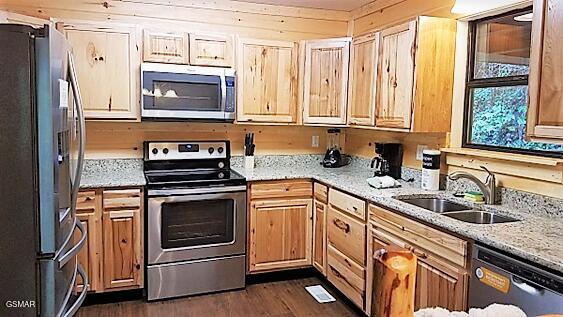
{"points": [[457, 211]]}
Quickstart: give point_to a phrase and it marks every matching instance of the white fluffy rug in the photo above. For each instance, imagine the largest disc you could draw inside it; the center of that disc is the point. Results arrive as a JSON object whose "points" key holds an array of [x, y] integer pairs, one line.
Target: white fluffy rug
{"points": [[494, 310]]}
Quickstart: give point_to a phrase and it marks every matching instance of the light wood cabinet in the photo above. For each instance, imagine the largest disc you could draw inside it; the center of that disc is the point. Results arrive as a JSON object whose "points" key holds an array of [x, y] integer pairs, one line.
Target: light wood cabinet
{"points": [[89, 214], [346, 234], [442, 276], [363, 79], [396, 68], [280, 226], [319, 235], [415, 76], [113, 253], [108, 69], [326, 81], [211, 50], [165, 47], [280, 234], [545, 112], [122, 248], [347, 275], [267, 77]]}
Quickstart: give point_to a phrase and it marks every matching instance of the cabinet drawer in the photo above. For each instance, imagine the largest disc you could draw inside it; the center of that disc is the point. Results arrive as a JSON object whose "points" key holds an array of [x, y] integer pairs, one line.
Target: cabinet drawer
{"points": [[346, 234], [321, 192], [86, 202], [277, 189], [347, 203], [122, 199], [421, 236], [347, 275]]}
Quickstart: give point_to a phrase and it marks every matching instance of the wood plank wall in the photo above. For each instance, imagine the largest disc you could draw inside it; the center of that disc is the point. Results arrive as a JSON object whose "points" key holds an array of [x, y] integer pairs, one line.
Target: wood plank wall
{"points": [[361, 142], [125, 140]]}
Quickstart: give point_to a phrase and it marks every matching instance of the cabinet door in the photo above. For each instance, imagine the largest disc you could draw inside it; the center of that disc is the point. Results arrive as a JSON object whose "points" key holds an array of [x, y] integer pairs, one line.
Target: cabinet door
{"points": [[211, 50], [165, 47], [363, 77], [267, 81], [326, 81], [396, 80], [107, 66], [319, 236], [347, 235], [545, 113], [122, 249], [90, 257], [280, 234], [436, 288]]}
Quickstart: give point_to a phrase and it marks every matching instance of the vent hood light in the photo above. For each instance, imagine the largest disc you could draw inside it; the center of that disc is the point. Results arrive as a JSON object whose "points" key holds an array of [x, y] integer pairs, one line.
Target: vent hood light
{"points": [[468, 7], [528, 17]]}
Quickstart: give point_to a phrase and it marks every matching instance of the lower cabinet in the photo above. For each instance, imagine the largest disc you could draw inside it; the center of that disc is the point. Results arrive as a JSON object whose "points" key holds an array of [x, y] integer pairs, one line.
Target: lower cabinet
{"points": [[280, 235], [439, 281], [319, 236], [113, 253]]}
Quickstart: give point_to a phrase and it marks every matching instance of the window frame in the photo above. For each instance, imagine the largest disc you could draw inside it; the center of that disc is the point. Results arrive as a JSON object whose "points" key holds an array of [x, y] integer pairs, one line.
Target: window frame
{"points": [[471, 82]]}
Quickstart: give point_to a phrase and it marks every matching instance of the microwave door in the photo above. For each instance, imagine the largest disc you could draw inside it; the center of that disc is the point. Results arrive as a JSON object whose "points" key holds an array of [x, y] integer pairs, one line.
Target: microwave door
{"points": [[183, 96]]}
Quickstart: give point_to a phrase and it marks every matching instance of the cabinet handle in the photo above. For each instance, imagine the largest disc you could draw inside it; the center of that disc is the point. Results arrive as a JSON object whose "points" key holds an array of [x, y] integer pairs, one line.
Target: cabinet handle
{"points": [[342, 225], [418, 254]]}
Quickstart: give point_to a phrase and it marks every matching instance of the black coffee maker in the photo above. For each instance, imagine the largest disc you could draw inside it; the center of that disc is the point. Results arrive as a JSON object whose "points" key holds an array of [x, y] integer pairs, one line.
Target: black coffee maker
{"points": [[388, 160]]}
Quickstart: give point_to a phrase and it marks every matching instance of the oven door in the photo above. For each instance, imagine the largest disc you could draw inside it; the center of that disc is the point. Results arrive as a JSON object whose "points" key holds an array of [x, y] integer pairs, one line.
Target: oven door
{"points": [[183, 92], [189, 224]]}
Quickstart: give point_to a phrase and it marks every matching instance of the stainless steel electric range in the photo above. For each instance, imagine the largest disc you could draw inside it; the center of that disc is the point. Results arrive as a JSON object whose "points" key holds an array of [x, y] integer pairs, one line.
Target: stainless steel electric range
{"points": [[196, 219]]}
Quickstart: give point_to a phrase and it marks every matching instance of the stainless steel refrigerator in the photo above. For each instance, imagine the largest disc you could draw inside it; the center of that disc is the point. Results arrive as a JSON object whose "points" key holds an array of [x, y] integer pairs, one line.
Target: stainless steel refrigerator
{"points": [[41, 159]]}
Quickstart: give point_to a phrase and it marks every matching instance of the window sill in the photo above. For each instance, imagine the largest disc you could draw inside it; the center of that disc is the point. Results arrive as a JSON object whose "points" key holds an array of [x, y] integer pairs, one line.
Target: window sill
{"points": [[503, 156]]}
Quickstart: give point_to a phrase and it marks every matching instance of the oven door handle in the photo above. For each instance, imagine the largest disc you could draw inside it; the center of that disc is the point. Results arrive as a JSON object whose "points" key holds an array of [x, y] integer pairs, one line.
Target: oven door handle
{"points": [[192, 191]]}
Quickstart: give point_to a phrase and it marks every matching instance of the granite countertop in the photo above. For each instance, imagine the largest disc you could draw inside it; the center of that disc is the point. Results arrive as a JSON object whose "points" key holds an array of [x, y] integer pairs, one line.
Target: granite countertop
{"points": [[537, 237], [112, 173]]}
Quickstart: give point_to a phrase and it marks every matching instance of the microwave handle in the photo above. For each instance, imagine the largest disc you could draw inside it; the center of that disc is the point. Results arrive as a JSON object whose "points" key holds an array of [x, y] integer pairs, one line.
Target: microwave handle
{"points": [[223, 92]]}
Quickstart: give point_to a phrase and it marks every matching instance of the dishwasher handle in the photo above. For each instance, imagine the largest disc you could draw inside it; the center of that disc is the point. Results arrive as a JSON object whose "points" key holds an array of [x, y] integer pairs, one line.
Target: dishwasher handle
{"points": [[527, 287]]}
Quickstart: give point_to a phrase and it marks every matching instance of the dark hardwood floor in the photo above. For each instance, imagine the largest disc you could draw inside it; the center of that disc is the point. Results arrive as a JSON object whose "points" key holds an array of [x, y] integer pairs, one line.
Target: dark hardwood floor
{"points": [[277, 299]]}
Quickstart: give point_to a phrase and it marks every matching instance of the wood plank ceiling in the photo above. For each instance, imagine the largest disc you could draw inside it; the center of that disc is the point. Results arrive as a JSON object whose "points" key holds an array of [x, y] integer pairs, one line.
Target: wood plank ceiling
{"points": [[342, 5]]}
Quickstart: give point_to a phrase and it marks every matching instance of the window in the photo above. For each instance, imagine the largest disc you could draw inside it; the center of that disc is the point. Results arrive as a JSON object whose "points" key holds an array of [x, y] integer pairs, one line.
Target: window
{"points": [[497, 86]]}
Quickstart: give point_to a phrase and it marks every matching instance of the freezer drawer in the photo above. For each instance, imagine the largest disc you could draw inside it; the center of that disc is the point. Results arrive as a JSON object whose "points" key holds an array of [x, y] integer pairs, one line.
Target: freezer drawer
{"points": [[492, 282], [195, 277]]}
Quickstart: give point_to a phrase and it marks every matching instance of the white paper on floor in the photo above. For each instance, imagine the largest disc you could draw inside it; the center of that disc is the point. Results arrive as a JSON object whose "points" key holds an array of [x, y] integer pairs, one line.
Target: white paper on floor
{"points": [[320, 294]]}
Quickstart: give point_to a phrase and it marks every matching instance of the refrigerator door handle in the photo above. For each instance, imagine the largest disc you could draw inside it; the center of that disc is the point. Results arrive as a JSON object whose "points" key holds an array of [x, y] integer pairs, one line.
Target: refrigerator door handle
{"points": [[76, 248], [74, 308], [81, 131]]}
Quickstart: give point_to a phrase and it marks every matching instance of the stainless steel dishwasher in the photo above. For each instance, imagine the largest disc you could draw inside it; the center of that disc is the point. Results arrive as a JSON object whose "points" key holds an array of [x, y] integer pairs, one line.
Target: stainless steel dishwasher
{"points": [[498, 278]]}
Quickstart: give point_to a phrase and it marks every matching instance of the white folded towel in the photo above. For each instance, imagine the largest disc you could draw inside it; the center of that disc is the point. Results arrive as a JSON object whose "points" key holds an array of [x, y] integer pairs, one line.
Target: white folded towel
{"points": [[494, 310], [381, 182]]}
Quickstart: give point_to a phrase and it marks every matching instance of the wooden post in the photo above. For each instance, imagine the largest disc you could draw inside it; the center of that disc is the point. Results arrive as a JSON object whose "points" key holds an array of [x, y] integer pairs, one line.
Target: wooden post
{"points": [[393, 283]]}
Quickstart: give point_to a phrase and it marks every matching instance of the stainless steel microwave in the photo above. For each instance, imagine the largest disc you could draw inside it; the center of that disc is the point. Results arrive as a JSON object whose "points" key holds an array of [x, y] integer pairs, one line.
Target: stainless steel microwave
{"points": [[181, 92]]}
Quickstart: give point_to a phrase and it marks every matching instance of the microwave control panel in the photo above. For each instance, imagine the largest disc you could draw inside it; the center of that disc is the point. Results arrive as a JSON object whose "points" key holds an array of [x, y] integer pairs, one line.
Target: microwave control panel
{"points": [[231, 95]]}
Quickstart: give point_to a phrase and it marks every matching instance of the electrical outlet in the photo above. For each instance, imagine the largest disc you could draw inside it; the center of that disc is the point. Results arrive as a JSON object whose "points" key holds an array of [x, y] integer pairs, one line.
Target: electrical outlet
{"points": [[419, 149], [315, 141]]}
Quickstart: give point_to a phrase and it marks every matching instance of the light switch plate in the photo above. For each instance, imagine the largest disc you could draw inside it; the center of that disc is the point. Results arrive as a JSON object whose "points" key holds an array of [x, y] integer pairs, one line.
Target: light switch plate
{"points": [[315, 141], [419, 149]]}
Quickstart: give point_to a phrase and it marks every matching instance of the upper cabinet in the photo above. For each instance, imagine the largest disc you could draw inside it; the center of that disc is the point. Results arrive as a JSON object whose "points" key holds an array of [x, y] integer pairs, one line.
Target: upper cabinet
{"points": [[183, 48], [326, 81], [415, 76], [107, 65], [267, 77], [211, 50], [396, 67], [165, 47], [363, 76], [545, 113]]}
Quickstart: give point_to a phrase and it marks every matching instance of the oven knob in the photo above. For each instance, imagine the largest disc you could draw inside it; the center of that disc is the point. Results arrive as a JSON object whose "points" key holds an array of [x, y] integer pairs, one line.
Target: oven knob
{"points": [[221, 175], [210, 150], [155, 151], [165, 150], [221, 164], [220, 150]]}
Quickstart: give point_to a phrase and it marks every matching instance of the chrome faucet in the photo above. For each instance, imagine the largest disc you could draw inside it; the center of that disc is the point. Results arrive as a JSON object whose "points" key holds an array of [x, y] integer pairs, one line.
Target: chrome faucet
{"points": [[489, 188]]}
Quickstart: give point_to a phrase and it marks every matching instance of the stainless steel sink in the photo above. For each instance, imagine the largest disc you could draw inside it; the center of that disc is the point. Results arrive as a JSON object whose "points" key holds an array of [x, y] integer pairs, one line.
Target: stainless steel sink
{"points": [[438, 205], [479, 217]]}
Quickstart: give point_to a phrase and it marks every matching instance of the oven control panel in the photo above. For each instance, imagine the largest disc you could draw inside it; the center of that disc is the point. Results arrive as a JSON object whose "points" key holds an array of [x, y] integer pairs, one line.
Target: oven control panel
{"points": [[191, 150]]}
